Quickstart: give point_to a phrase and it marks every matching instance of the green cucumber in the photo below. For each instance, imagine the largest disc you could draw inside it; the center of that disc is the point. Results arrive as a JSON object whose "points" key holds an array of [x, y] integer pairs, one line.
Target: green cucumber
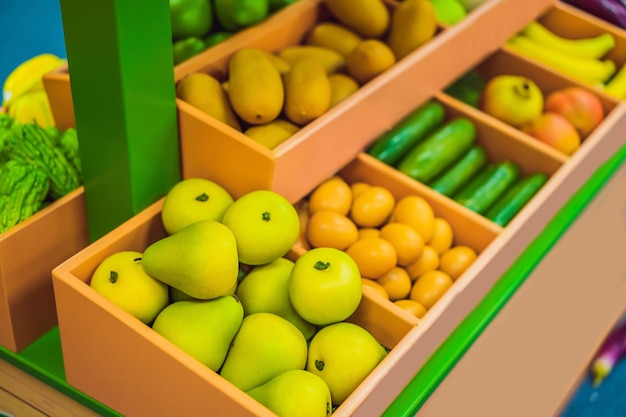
{"points": [[440, 149], [484, 190], [453, 178], [408, 132], [516, 198]]}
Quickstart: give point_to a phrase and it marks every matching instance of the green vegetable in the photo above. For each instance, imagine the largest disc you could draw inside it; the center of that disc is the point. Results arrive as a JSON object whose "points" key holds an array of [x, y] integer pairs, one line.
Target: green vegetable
{"points": [[190, 18], [440, 149], [22, 192], [68, 143], [237, 14], [489, 185], [503, 210], [392, 145], [453, 178], [468, 88], [34, 147]]}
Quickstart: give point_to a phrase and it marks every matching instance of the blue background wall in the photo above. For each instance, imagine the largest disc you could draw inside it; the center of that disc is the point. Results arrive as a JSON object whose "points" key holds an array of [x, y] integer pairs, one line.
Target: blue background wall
{"points": [[29, 27]]}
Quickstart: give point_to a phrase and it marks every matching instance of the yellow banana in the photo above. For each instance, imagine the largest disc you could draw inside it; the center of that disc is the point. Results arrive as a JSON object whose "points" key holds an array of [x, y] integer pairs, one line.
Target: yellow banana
{"points": [[616, 86], [27, 77], [32, 107], [588, 70], [592, 47]]}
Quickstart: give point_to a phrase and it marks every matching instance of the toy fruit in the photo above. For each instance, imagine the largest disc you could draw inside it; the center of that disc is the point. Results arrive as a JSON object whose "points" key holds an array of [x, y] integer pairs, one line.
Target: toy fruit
{"points": [[413, 23], [265, 225], [325, 286], [513, 99], [449, 12], [554, 130], [190, 18], [369, 18], [237, 14], [191, 200], [581, 107], [121, 279], [368, 59], [307, 91], [343, 354]]}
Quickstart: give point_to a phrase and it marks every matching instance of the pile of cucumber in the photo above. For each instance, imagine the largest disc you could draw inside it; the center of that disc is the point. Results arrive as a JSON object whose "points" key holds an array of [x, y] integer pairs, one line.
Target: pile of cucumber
{"points": [[443, 154]]}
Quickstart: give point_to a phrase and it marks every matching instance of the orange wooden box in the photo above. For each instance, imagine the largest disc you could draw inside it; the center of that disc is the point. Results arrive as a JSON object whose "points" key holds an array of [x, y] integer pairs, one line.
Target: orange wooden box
{"points": [[332, 140], [28, 253]]}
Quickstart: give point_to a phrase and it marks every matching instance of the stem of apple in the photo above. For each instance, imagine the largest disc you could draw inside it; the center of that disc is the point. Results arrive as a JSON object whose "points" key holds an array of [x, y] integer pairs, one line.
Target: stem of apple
{"points": [[266, 216], [319, 365], [321, 265], [113, 277], [523, 89], [202, 197]]}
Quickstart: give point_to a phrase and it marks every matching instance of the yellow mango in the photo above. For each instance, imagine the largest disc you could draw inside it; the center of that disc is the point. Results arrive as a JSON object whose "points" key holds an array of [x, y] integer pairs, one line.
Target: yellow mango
{"points": [[413, 23], [273, 133], [307, 91], [331, 60], [206, 93], [370, 58], [369, 18], [333, 36], [341, 86], [255, 86]]}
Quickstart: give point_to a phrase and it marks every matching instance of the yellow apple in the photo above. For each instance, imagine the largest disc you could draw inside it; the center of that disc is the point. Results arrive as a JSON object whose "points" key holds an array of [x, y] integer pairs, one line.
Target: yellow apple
{"points": [[121, 279]]}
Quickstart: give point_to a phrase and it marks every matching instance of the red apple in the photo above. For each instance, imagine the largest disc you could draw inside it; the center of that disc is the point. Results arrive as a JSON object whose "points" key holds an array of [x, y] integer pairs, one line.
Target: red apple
{"points": [[580, 106], [554, 130]]}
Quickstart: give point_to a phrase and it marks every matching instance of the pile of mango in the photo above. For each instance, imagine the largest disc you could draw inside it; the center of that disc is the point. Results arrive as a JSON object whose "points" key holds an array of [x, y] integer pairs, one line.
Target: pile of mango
{"points": [[270, 95]]}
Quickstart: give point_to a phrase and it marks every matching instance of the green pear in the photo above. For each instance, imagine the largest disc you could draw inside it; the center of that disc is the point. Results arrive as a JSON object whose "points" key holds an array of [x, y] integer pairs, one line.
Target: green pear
{"points": [[343, 355], [449, 12], [200, 260], [191, 200], [122, 279], [295, 393], [202, 328], [265, 290], [265, 346]]}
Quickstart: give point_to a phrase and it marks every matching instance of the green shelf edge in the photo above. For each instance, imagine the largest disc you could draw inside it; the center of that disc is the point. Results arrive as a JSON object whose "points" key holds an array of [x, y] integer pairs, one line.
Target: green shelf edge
{"points": [[43, 358], [460, 340]]}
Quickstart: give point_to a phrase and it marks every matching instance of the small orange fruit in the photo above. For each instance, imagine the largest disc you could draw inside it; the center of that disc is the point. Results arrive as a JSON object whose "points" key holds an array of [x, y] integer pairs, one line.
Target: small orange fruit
{"points": [[375, 286], [417, 213], [374, 256], [407, 241], [358, 187], [397, 283], [442, 237], [412, 307], [333, 194], [430, 287], [456, 260], [331, 229], [365, 232], [372, 207], [429, 261]]}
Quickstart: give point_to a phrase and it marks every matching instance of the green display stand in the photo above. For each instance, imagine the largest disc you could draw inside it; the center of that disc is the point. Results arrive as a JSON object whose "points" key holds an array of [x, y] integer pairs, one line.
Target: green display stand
{"points": [[43, 359], [122, 77]]}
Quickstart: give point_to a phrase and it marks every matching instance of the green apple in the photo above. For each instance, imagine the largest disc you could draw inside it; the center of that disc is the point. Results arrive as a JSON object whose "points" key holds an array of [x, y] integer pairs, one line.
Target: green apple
{"points": [[265, 224], [343, 355], [192, 200], [121, 279]]}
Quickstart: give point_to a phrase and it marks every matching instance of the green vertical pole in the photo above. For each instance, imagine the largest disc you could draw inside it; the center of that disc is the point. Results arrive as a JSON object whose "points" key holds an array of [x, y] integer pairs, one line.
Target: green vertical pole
{"points": [[121, 68]]}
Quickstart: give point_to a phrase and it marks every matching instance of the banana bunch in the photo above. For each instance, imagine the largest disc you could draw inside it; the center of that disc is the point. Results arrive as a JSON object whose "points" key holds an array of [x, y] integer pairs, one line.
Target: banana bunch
{"points": [[583, 58], [23, 95]]}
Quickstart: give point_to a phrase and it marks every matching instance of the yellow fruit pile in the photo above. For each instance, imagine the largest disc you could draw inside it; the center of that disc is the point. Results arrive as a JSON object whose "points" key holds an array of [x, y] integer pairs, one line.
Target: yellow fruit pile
{"points": [[402, 248], [270, 95]]}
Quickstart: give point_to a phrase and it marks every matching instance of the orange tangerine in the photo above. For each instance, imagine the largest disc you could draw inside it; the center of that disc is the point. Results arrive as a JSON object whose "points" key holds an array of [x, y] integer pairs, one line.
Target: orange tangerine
{"points": [[411, 306], [442, 237], [375, 286], [332, 194], [358, 187], [417, 213], [429, 261], [374, 256], [430, 287], [365, 232], [405, 239], [327, 228], [372, 207], [456, 260], [397, 283]]}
